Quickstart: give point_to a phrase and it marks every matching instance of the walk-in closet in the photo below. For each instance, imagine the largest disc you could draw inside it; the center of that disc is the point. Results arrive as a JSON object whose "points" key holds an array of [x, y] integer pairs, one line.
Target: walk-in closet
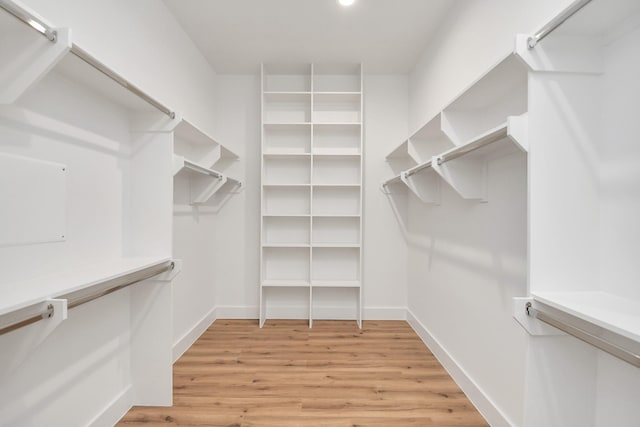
{"points": [[336, 213]]}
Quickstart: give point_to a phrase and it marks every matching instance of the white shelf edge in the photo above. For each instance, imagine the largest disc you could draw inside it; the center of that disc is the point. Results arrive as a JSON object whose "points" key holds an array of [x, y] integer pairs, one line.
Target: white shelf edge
{"points": [[286, 92], [336, 215], [272, 283], [286, 124], [337, 154], [52, 286], [286, 245], [608, 311], [337, 185], [285, 185], [300, 155], [271, 215], [335, 284], [336, 245]]}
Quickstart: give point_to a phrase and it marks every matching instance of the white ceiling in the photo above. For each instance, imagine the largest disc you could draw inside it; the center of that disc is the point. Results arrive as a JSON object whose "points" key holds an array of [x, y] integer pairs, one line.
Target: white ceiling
{"points": [[387, 36]]}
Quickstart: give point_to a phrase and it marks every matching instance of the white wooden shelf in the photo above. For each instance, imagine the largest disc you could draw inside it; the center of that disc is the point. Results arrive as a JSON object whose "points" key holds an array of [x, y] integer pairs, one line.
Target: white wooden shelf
{"points": [[463, 167], [335, 283], [286, 284], [285, 123], [285, 93], [315, 215], [16, 296], [336, 185], [195, 154], [608, 311], [286, 245], [286, 185], [286, 155], [336, 245], [336, 154], [269, 215]]}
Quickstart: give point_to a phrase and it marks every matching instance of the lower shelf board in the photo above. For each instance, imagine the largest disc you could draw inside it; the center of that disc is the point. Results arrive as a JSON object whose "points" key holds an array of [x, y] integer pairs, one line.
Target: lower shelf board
{"points": [[285, 284], [335, 283]]}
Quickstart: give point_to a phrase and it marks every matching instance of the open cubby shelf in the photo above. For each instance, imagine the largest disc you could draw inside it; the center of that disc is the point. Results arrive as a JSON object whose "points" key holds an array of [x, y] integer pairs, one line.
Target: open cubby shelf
{"points": [[311, 179], [462, 167]]}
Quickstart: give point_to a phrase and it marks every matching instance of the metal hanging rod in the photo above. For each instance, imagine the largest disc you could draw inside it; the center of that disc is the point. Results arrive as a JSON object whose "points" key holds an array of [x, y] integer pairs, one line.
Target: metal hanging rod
{"points": [[29, 19], [86, 57], [556, 22], [589, 338], [44, 314], [197, 168], [414, 170], [107, 287], [391, 181], [486, 139]]}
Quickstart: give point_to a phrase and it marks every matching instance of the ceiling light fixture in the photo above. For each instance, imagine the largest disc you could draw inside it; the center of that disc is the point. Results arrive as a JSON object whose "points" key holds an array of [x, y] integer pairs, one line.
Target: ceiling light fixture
{"points": [[346, 3]]}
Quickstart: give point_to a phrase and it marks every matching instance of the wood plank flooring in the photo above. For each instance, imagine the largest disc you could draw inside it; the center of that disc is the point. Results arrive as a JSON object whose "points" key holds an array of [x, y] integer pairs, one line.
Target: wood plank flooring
{"points": [[334, 375]]}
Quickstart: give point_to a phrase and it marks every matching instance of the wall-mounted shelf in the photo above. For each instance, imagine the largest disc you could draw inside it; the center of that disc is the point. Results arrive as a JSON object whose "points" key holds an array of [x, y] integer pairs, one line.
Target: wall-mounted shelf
{"points": [[196, 181], [464, 167], [608, 311], [21, 295]]}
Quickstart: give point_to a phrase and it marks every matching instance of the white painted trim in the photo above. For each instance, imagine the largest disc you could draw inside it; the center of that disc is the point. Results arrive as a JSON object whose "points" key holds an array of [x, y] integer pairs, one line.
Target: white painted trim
{"points": [[476, 395], [237, 312], [192, 335], [115, 410]]}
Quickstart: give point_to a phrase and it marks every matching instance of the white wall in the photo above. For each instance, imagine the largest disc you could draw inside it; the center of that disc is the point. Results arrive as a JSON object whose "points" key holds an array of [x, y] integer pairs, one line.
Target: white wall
{"points": [[237, 241], [466, 259], [238, 230], [385, 253], [476, 35]]}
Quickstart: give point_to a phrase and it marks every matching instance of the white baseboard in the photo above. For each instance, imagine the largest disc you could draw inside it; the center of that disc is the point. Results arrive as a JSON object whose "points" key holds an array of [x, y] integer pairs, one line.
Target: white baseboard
{"points": [[192, 335], [115, 410], [237, 312], [485, 406]]}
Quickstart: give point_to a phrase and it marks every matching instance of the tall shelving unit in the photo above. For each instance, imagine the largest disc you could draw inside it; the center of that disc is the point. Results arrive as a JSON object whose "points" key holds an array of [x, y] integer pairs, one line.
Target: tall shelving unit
{"points": [[311, 194]]}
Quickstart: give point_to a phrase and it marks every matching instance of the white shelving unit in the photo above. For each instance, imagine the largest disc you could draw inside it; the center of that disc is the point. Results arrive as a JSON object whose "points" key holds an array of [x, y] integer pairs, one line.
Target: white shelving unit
{"points": [[311, 188], [584, 188], [198, 165], [60, 110], [488, 120]]}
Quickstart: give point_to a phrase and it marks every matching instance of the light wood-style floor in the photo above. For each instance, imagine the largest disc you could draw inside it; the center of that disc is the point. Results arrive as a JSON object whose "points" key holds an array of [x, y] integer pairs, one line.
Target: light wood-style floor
{"points": [[332, 375]]}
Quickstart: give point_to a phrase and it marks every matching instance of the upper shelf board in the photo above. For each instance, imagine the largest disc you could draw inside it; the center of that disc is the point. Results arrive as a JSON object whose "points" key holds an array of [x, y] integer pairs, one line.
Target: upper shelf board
{"points": [[608, 311]]}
